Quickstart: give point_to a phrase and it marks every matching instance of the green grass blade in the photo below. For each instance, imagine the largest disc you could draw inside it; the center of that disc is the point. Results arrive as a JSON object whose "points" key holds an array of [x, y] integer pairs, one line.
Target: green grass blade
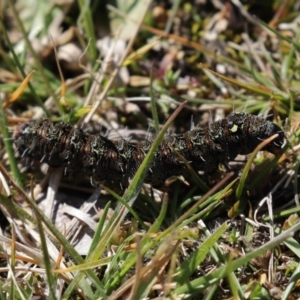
{"points": [[19, 65], [246, 170], [198, 285], [73, 253], [281, 36], [130, 209], [87, 24], [153, 105], [44, 247], [39, 65], [291, 285], [189, 266], [99, 229], [9, 147]]}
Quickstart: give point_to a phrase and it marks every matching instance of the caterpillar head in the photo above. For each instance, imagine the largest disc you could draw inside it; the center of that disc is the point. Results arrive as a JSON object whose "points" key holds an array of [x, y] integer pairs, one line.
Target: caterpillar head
{"points": [[276, 145]]}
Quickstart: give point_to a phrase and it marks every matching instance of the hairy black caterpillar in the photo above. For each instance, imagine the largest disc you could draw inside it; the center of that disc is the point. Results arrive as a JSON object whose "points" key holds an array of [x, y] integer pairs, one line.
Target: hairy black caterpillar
{"points": [[62, 145]]}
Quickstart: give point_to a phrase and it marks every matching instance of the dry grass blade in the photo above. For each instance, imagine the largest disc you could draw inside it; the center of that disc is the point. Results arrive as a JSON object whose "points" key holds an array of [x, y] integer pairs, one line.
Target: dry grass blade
{"points": [[141, 283], [117, 67], [19, 91]]}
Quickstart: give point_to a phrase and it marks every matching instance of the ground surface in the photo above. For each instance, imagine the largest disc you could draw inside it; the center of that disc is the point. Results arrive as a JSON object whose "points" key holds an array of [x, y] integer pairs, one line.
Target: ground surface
{"points": [[125, 68]]}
